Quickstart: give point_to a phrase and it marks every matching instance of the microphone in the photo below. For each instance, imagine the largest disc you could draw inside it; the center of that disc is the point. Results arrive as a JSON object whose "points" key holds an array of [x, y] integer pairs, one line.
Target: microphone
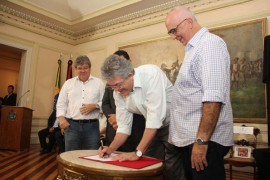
{"points": [[22, 96]]}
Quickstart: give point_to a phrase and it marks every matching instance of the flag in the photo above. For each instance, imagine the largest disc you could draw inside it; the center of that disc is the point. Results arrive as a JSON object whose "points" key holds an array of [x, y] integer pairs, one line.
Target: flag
{"points": [[69, 69], [57, 83]]}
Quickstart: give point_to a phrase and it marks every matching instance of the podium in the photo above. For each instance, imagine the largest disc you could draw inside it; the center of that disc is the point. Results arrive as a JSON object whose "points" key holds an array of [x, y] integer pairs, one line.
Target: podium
{"points": [[15, 128]]}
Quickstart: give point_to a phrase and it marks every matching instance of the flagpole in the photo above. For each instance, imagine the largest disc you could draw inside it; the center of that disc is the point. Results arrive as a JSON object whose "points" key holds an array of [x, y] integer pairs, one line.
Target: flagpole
{"points": [[58, 82], [69, 69]]}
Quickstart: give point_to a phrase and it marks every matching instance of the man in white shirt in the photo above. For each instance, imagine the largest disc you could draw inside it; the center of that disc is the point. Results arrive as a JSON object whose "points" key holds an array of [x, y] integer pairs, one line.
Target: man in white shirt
{"points": [[78, 107], [201, 125], [147, 91]]}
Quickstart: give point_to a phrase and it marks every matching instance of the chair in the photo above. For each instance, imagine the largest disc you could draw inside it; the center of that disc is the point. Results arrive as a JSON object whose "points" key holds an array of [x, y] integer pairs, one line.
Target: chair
{"points": [[240, 155]]}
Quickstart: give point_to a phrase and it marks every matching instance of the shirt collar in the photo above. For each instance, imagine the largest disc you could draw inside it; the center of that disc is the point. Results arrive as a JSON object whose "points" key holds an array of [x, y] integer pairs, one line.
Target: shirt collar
{"points": [[90, 77], [196, 38]]}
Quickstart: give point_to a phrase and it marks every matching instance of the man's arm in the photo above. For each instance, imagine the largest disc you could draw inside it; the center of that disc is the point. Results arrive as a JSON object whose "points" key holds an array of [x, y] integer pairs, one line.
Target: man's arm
{"points": [[62, 105], [210, 114], [63, 123], [87, 108], [118, 140], [148, 136], [146, 140], [209, 119]]}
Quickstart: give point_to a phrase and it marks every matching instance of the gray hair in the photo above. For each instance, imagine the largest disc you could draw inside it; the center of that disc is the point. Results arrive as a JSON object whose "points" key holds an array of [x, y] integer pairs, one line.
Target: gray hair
{"points": [[115, 65], [81, 60], [186, 12]]}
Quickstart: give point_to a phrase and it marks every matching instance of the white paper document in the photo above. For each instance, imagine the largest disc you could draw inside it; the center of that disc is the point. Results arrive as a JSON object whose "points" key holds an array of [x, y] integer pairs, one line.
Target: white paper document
{"points": [[97, 158]]}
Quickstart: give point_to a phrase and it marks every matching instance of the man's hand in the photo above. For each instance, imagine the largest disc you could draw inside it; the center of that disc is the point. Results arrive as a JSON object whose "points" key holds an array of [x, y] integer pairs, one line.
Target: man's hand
{"points": [[104, 151], [62, 132], [87, 108], [63, 123], [198, 157], [131, 156], [51, 130], [112, 121]]}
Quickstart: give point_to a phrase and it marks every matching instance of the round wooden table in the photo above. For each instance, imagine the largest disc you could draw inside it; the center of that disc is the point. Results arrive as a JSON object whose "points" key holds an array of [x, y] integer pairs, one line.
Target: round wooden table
{"points": [[71, 166]]}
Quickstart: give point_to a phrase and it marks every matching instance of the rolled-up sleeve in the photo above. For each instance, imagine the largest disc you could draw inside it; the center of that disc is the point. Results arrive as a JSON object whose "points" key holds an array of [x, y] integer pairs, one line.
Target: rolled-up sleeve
{"points": [[62, 102], [124, 118], [213, 66]]}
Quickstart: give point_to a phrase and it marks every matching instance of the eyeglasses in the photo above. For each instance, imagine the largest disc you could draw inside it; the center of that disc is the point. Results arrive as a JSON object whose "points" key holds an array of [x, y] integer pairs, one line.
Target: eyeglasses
{"points": [[173, 31], [116, 86]]}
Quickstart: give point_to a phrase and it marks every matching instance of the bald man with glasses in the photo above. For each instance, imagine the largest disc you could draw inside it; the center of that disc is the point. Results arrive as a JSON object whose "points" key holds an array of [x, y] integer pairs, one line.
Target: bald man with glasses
{"points": [[201, 125]]}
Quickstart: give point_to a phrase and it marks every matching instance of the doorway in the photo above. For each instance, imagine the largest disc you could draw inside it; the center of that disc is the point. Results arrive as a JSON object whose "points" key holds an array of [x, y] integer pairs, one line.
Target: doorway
{"points": [[23, 55], [10, 62]]}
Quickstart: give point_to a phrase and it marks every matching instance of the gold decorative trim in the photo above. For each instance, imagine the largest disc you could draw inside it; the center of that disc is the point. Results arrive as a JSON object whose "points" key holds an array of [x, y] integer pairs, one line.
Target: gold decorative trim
{"points": [[69, 174], [35, 20], [145, 17]]}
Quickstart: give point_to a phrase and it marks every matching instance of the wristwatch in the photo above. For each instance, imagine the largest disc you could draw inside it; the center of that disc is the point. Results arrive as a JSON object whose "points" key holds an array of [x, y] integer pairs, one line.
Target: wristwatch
{"points": [[138, 153], [200, 141]]}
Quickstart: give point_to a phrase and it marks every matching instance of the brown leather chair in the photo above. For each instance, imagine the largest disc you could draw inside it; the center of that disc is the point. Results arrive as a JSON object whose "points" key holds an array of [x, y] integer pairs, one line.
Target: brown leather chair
{"points": [[238, 154]]}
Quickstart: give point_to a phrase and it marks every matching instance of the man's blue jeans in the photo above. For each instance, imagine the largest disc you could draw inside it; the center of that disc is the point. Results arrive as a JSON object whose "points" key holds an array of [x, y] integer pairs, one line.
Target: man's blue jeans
{"points": [[82, 135]]}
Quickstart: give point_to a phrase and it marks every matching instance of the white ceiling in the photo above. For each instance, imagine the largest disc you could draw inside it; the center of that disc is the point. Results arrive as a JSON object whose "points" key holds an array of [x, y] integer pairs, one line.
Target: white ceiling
{"points": [[73, 9], [78, 21]]}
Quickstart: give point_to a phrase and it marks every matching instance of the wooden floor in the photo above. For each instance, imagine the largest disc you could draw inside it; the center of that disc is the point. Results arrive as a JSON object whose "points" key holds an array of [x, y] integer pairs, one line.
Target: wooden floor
{"points": [[27, 165], [31, 165]]}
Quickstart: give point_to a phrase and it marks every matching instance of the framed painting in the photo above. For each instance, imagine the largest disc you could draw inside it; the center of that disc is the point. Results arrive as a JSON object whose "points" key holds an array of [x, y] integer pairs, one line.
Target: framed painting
{"points": [[245, 45], [248, 93]]}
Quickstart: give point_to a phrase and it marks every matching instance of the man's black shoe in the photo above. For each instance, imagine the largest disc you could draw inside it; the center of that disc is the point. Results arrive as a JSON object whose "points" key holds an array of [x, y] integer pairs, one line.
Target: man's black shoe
{"points": [[44, 151]]}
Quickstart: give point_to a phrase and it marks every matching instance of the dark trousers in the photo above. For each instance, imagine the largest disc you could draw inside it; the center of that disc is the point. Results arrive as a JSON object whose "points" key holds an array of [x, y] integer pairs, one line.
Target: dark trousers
{"points": [[133, 140], [172, 156], [59, 138], [43, 134], [262, 157], [215, 169]]}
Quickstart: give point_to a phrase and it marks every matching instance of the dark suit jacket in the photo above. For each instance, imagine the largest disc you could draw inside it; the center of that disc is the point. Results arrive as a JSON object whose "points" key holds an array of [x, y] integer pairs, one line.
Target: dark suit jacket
{"points": [[10, 100], [108, 107], [52, 119]]}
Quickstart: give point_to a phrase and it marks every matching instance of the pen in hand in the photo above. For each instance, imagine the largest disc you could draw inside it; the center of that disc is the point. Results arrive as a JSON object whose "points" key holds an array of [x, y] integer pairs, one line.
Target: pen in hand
{"points": [[101, 142]]}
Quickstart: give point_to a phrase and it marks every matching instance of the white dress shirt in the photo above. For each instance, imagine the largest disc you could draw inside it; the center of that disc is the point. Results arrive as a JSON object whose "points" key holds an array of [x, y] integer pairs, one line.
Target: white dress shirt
{"points": [[151, 98], [75, 93]]}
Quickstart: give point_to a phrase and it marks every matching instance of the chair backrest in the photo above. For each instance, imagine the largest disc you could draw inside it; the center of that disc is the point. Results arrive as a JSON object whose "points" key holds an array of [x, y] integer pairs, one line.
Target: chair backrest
{"points": [[246, 130], [245, 140]]}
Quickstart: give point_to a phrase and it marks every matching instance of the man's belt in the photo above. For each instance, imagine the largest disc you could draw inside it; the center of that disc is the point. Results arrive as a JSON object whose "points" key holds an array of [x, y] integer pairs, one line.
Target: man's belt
{"points": [[83, 121]]}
